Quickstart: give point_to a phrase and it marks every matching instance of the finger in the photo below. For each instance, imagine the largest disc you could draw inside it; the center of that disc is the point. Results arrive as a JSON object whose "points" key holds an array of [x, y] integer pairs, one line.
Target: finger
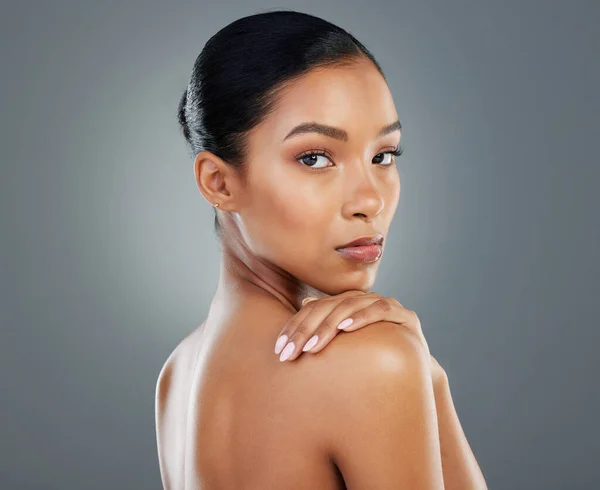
{"points": [[291, 325], [301, 331], [391, 310], [342, 314], [349, 292], [384, 309], [302, 327]]}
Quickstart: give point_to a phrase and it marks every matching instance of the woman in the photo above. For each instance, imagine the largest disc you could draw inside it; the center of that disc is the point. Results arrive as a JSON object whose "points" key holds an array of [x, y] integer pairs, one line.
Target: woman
{"points": [[294, 135]]}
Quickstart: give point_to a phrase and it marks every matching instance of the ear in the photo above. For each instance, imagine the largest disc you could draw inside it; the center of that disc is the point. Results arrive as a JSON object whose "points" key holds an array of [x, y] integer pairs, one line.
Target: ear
{"points": [[215, 180]]}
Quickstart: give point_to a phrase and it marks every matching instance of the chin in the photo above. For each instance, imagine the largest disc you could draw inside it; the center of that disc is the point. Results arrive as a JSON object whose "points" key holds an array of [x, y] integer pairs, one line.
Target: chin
{"points": [[364, 284]]}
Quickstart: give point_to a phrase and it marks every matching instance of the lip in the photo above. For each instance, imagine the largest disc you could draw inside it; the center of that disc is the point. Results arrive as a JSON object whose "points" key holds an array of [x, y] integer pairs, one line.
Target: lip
{"points": [[364, 249], [364, 253], [364, 241]]}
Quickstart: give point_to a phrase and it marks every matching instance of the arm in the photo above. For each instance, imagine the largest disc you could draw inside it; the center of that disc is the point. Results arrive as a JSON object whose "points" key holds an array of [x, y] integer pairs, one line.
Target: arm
{"points": [[381, 414], [460, 468]]}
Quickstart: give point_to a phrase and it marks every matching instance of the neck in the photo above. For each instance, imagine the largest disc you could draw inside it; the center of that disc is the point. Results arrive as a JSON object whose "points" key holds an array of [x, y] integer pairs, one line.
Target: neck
{"points": [[243, 277]]}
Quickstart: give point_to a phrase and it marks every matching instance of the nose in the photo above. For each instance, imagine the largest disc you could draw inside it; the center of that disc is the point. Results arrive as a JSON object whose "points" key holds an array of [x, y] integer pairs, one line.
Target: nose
{"points": [[366, 199]]}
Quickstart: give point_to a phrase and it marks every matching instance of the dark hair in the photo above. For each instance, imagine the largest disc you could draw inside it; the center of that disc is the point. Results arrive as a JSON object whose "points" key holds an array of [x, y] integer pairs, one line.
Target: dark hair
{"points": [[242, 69]]}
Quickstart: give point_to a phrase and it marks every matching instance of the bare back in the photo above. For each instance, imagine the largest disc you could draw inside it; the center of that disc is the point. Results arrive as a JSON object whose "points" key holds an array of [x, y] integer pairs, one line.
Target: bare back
{"points": [[229, 414]]}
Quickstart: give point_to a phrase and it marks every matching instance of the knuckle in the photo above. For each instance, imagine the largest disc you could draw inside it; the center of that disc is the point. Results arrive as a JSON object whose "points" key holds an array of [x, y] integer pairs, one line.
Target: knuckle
{"points": [[384, 304], [301, 330], [357, 316], [394, 301], [351, 300], [326, 325]]}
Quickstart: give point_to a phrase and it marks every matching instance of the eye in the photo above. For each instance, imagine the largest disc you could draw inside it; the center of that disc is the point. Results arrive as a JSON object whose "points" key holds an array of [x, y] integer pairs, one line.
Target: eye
{"points": [[393, 155], [311, 157]]}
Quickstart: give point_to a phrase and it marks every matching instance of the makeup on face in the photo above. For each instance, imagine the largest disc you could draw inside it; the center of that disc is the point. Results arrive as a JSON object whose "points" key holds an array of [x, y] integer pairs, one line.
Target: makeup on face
{"points": [[365, 253]]}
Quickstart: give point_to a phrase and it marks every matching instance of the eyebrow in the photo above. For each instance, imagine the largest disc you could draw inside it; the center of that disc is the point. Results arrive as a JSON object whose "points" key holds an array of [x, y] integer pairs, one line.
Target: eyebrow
{"points": [[337, 133]]}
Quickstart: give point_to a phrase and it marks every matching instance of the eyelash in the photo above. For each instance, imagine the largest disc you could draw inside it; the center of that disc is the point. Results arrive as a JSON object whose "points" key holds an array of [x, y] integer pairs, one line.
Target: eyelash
{"points": [[323, 152]]}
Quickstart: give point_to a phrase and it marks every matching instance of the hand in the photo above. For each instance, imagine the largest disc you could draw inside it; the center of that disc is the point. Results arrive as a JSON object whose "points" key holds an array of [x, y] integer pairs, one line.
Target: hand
{"points": [[319, 319]]}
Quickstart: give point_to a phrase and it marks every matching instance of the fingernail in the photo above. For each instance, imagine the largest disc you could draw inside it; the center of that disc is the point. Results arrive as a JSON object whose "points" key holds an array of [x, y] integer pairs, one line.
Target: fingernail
{"points": [[287, 352], [346, 323], [280, 343], [311, 343]]}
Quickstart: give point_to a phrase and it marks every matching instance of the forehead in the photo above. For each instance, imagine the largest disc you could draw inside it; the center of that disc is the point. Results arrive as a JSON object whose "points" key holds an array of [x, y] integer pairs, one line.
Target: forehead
{"points": [[355, 98]]}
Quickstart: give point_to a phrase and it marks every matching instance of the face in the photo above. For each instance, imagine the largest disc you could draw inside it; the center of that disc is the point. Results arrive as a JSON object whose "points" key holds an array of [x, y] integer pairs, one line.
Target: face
{"points": [[294, 209]]}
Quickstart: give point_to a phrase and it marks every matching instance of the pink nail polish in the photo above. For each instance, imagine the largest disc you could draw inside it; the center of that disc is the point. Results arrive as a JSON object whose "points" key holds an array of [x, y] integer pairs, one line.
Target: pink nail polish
{"points": [[311, 343], [287, 352], [281, 341], [346, 323]]}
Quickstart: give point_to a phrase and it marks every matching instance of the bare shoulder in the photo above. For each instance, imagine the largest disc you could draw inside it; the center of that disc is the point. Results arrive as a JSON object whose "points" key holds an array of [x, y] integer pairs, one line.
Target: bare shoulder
{"points": [[381, 351], [180, 361], [168, 400], [377, 408], [381, 345]]}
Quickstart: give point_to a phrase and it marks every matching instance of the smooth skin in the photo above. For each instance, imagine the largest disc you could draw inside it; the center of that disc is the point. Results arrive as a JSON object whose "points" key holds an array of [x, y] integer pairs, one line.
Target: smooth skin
{"points": [[360, 413], [323, 318], [318, 321]]}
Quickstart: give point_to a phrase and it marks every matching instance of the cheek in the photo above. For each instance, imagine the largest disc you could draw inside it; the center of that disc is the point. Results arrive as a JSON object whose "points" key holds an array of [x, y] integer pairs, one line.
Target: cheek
{"points": [[288, 217], [396, 192], [393, 192]]}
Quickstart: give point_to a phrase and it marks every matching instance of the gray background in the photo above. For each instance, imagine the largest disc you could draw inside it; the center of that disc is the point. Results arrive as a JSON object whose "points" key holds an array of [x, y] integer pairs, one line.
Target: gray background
{"points": [[108, 257]]}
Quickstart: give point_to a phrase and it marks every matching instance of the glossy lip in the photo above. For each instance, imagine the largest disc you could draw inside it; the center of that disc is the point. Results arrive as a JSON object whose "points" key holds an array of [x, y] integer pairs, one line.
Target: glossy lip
{"points": [[365, 240], [366, 254]]}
